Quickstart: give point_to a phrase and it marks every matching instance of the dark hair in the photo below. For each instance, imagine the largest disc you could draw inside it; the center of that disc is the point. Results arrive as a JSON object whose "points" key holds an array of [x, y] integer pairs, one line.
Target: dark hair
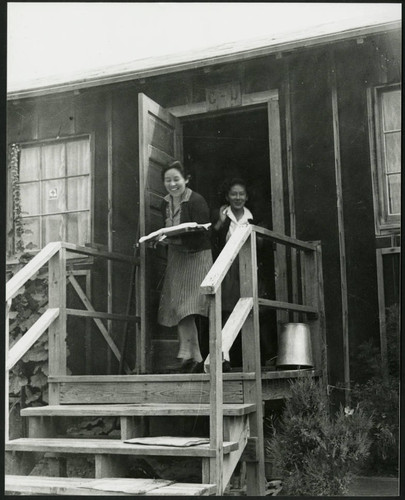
{"points": [[228, 184], [178, 166]]}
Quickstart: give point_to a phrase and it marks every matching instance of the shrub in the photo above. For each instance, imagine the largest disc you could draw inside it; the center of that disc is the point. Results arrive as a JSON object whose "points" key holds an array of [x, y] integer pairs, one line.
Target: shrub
{"points": [[317, 454], [380, 400], [379, 397]]}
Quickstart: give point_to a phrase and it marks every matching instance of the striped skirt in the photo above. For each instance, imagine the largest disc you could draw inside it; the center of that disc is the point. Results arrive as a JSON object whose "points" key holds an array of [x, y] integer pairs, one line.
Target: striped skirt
{"points": [[181, 295]]}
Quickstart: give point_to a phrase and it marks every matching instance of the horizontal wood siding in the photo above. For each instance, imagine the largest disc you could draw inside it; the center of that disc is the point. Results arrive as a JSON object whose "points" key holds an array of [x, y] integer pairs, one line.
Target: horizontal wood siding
{"points": [[371, 61], [133, 392]]}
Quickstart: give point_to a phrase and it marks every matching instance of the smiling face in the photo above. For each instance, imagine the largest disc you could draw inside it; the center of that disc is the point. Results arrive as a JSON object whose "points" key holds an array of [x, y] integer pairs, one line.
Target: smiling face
{"points": [[174, 182], [237, 197]]}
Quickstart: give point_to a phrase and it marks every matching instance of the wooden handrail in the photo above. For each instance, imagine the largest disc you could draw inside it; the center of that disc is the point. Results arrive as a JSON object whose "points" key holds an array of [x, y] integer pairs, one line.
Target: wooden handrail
{"points": [[71, 247], [225, 259], [33, 266], [287, 306], [233, 325], [101, 315], [32, 335], [284, 240]]}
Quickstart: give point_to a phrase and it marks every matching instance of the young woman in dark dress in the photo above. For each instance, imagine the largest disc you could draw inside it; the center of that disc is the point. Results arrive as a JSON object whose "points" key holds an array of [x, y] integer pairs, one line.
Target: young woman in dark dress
{"points": [[189, 260]]}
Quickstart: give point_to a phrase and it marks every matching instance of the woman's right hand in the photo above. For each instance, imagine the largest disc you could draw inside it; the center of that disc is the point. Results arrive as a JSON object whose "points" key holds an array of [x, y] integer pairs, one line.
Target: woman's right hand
{"points": [[221, 218], [222, 213]]}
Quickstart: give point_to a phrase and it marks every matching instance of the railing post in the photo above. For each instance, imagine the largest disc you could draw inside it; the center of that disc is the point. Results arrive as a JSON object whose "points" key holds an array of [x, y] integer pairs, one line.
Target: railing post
{"points": [[57, 330], [6, 381], [252, 389], [313, 295], [216, 392]]}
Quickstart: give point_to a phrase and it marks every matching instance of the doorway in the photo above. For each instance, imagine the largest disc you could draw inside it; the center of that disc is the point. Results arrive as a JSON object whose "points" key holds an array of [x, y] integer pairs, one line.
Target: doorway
{"points": [[222, 147], [230, 145]]}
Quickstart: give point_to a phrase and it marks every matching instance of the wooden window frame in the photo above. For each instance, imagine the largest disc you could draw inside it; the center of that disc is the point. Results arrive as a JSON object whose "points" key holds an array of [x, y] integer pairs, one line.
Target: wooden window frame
{"points": [[384, 223], [65, 139]]}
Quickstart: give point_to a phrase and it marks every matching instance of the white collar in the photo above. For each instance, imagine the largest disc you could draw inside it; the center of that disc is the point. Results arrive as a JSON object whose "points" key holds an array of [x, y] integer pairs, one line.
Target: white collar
{"points": [[247, 214]]}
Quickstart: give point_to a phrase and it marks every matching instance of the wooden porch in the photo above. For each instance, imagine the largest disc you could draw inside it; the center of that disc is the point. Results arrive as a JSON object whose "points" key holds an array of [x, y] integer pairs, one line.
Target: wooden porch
{"points": [[231, 401]]}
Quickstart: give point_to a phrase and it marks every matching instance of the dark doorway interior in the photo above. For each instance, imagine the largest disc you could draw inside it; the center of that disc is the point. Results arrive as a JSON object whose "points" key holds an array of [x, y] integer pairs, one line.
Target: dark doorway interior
{"points": [[219, 148], [231, 145]]}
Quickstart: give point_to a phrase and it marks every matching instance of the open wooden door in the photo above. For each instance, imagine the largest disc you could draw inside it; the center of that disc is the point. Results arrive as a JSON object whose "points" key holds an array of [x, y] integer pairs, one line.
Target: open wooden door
{"points": [[160, 141]]}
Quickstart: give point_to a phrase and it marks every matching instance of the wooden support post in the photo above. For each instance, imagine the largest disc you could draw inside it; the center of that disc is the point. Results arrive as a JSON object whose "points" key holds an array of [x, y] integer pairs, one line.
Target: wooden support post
{"points": [[341, 228], [216, 392], [381, 313], [19, 463], [57, 330], [41, 427], [290, 183], [87, 341], [109, 220], [110, 466], [313, 295], [6, 381], [277, 201], [252, 389], [132, 427]]}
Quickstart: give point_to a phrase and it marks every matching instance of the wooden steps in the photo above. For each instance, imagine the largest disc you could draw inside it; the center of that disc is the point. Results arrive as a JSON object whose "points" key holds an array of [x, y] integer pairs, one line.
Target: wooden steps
{"points": [[39, 485], [128, 410], [111, 447]]}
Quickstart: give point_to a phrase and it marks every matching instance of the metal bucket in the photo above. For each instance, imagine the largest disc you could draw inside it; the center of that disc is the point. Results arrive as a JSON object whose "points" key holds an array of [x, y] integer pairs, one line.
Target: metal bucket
{"points": [[295, 347]]}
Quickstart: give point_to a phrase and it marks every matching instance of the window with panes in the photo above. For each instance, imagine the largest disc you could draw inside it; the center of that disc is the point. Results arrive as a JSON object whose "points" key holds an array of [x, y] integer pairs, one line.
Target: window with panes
{"points": [[55, 191], [388, 137]]}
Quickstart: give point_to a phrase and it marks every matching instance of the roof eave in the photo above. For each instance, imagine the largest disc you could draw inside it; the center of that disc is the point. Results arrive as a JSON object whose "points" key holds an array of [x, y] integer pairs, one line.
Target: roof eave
{"points": [[208, 61]]}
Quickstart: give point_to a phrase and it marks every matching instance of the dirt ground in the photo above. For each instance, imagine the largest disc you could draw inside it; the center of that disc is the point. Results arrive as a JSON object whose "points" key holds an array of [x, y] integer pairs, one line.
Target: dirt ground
{"points": [[364, 486]]}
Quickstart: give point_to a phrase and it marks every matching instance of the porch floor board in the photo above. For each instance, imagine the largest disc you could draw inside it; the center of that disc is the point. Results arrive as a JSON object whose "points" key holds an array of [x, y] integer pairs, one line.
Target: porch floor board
{"points": [[127, 410], [112, 447], [37, 485]]}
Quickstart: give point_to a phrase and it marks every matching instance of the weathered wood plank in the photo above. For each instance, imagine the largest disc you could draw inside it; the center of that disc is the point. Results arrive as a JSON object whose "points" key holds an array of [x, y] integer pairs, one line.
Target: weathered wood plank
{"points": [[31, 336], [97, 321], [233, 325], [381, 312], [149, 378], [33, 266], [57, 329], [72, 247], [225, 259], [128, 410], [283, 239], [252, 390], [112, 446], [235, 429], [7, 376], [101, 315], [341, 226], [276, 304], [110, 209], [161, 392], [37, 485], [216, 396], [290, 183], [391, 250]]}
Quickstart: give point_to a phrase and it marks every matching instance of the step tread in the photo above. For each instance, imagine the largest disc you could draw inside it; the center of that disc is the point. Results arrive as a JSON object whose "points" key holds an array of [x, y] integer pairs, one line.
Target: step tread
{"points": [[111, 446], [105, 486], [136, 410]]}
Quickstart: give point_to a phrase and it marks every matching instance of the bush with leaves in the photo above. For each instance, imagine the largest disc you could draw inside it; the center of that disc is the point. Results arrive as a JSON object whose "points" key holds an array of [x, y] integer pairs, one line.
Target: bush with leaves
{"points": [[31, 372], [379, 397], [317, 453]]}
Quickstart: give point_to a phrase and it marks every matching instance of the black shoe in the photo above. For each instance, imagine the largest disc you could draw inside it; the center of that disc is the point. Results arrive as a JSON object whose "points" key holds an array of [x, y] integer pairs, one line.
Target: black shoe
{"points": [[226, 366], [186, 365], [197, 367]]}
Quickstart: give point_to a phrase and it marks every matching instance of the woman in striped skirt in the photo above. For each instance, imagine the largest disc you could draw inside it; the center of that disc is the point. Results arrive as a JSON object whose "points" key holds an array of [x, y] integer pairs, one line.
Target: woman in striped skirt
{"points": [[189, 260]]}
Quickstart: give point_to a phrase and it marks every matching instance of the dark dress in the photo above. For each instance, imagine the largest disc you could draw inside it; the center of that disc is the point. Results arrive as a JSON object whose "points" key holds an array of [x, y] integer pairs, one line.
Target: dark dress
{"points": [[188, 262]]}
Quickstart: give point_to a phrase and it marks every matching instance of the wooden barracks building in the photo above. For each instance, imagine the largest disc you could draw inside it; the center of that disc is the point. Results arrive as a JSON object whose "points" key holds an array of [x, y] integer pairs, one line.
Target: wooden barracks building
{"points": [[311, 121]]}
